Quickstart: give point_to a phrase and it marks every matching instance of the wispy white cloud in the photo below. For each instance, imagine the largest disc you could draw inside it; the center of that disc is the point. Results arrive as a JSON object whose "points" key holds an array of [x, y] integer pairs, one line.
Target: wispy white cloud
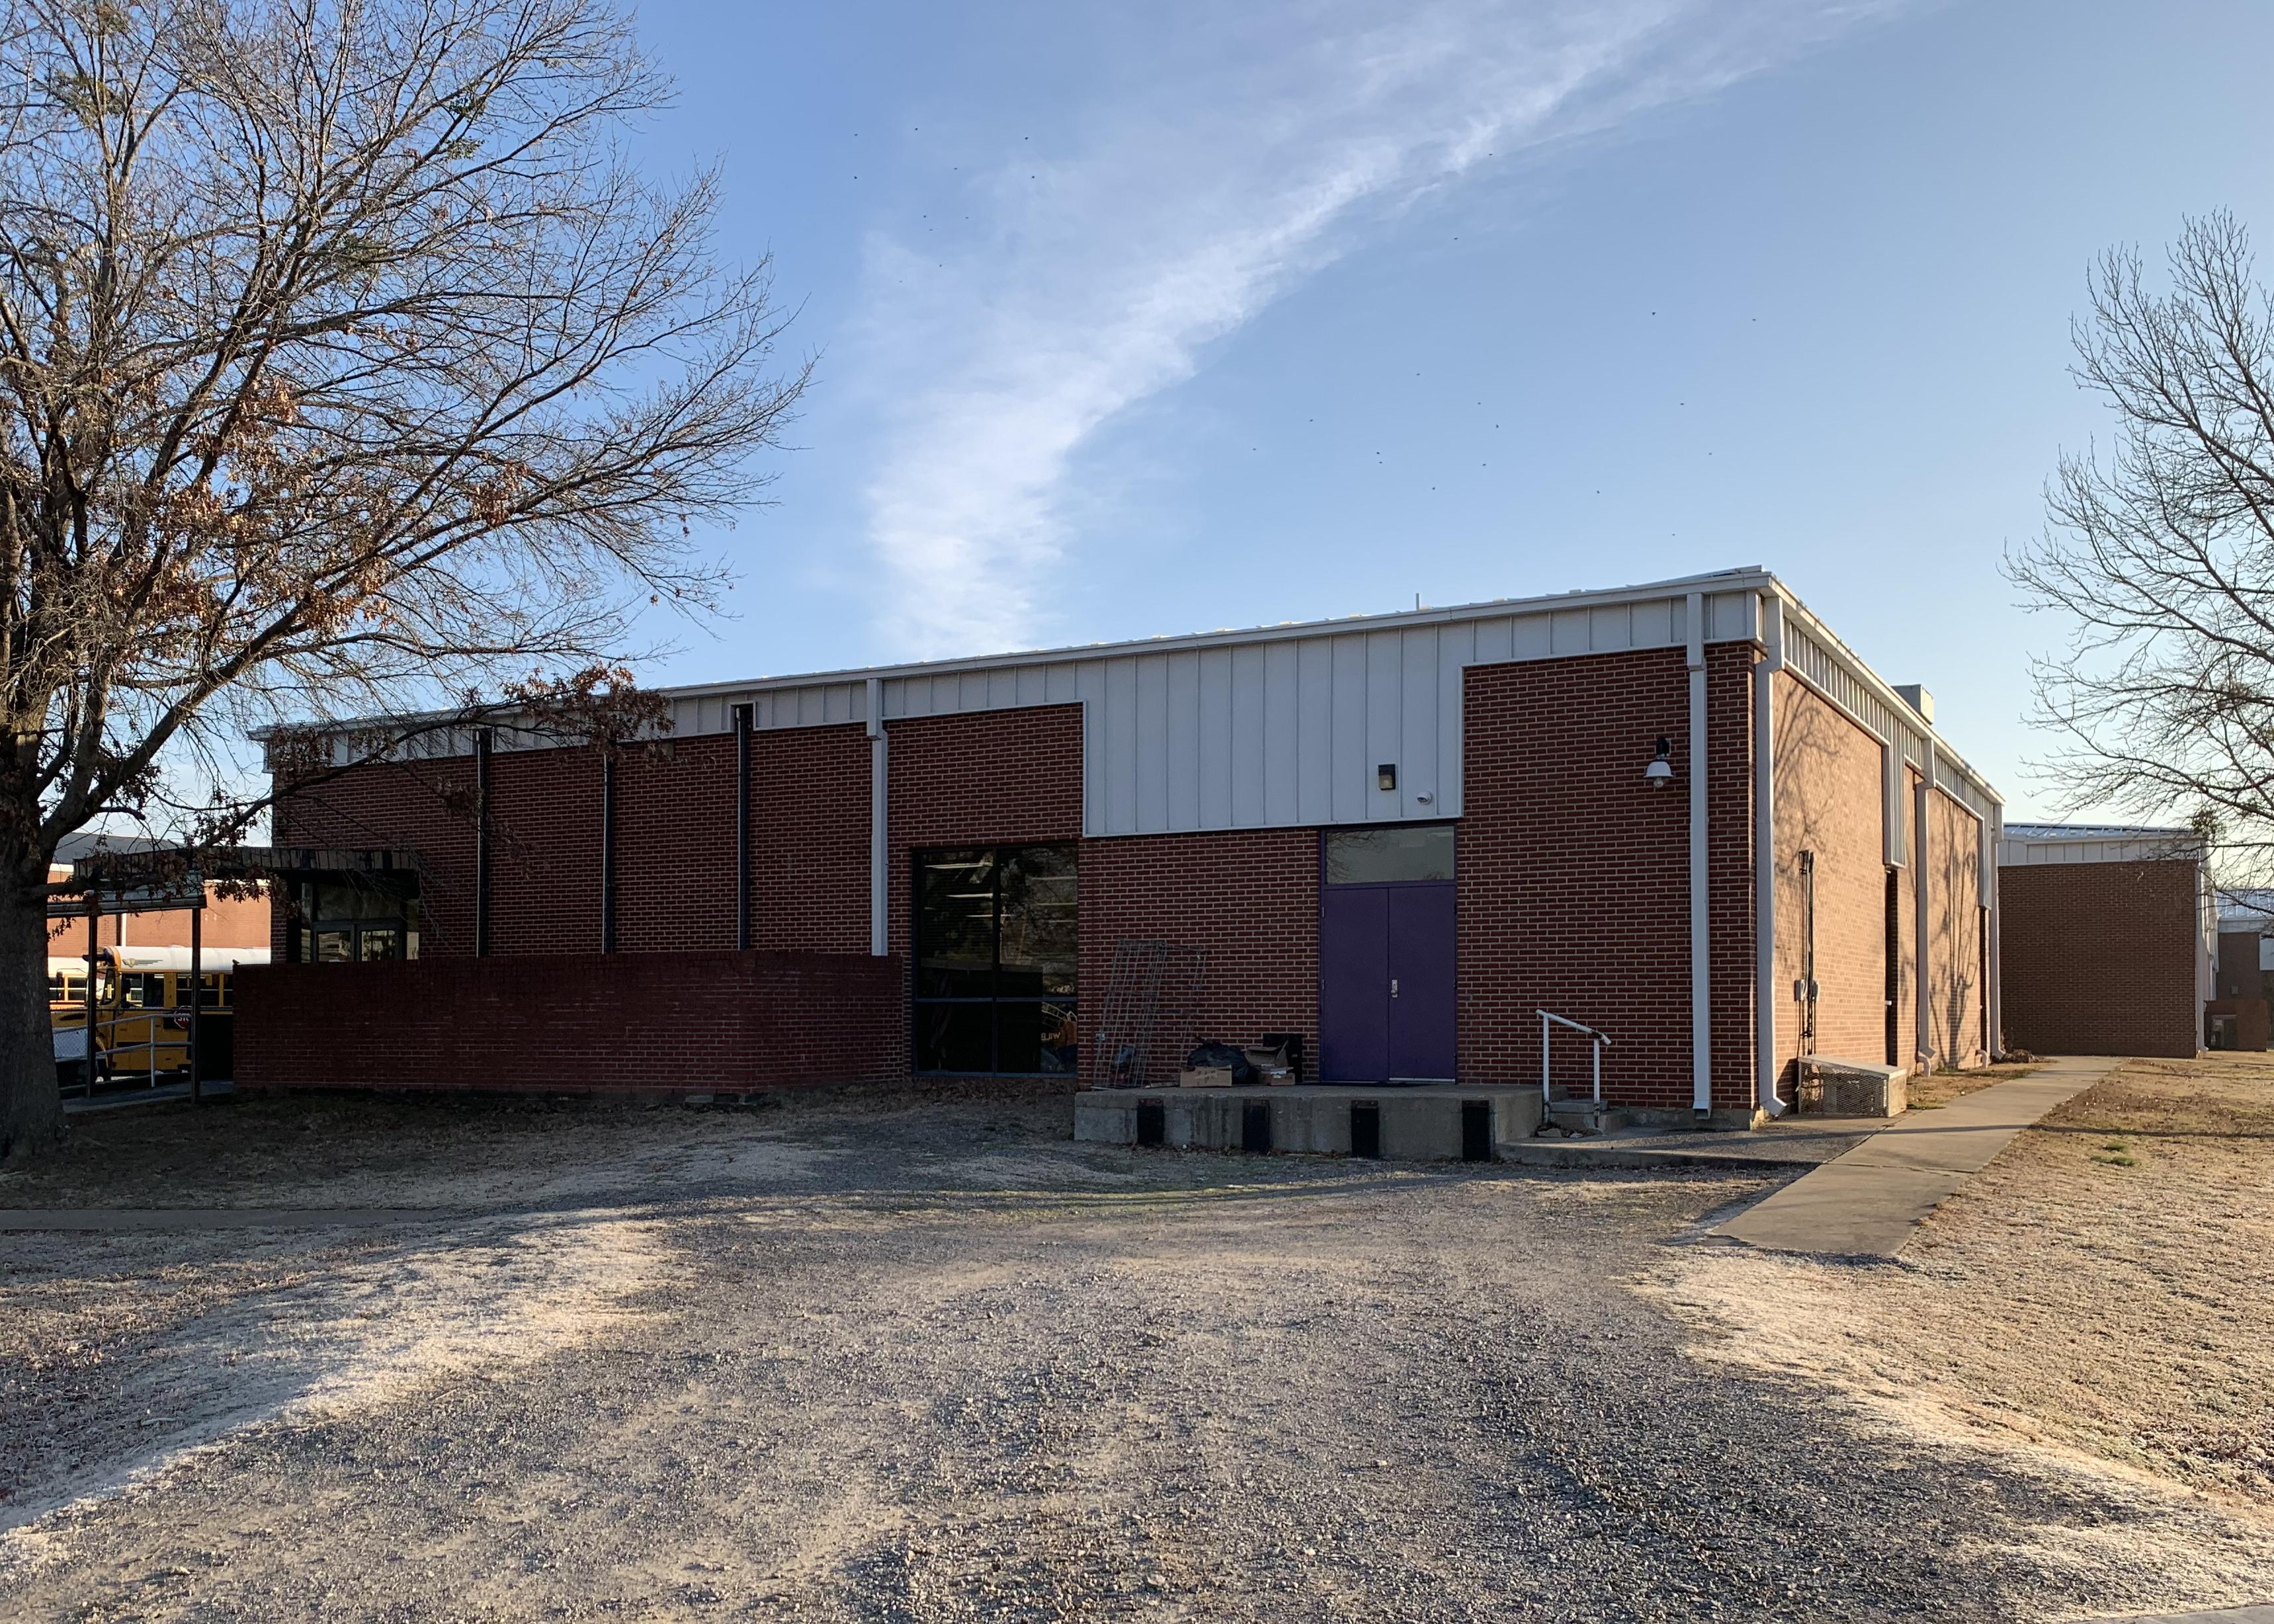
{"points": [[1097, 276]]}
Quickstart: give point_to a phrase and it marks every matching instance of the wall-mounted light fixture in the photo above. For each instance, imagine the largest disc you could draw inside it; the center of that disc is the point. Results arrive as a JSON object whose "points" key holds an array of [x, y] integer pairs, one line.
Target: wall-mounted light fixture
{"points": [[1385, 776], [1660, 773]]}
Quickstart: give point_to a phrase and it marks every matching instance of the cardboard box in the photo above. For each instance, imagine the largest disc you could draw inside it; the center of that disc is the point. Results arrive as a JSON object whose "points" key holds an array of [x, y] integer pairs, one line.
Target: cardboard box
{"points": [[1271, 1066], [1206, 1076]]}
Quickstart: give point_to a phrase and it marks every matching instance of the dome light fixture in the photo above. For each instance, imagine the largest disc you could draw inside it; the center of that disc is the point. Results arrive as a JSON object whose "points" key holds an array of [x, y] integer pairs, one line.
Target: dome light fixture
{"points": [[1660, 773]]}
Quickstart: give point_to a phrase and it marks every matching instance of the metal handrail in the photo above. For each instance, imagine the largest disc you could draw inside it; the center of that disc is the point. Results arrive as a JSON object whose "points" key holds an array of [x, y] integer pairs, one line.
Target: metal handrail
{"points": [[1600, 1040], [112, 1049]]}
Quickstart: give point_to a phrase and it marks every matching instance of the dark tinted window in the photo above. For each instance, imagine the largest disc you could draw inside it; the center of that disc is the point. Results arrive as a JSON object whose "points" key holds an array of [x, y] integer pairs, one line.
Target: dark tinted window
{"points": [[1039, 913], [955, 924], [955, 1037], [1378, 856], [343, 917], [997, 938]]}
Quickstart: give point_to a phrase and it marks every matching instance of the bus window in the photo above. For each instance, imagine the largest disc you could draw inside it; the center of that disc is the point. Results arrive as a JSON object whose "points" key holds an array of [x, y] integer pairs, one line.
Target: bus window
{"points": [[145, 990]]}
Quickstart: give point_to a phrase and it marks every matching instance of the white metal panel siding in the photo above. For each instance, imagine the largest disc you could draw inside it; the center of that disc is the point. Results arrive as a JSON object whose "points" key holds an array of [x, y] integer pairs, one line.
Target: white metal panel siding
{"points": [[1288, 730], [2024, 851], [1282, 789], [1291, 733]]}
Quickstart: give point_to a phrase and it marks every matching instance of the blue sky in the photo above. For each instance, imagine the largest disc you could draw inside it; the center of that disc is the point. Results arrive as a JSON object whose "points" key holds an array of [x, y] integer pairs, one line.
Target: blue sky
{"points": [[1138, 319]]}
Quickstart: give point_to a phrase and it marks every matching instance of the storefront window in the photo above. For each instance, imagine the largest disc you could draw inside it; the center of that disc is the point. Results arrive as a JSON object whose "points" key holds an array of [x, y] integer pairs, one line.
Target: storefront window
{"points": [[998, 953]]}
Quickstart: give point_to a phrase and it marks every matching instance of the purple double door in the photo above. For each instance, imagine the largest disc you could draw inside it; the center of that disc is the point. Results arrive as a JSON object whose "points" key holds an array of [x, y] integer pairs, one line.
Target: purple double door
{"points": [[1386, 985]]}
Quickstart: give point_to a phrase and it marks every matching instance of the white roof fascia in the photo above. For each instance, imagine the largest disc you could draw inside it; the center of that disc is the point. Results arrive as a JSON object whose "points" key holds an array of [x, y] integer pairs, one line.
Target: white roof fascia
{"points": [[1749, 579], [1752, 579], [2037, 845]]}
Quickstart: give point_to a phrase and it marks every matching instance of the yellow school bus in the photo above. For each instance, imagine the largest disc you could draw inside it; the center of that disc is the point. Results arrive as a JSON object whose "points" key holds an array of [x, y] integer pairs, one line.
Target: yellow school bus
{"points": [[141, 1006]]}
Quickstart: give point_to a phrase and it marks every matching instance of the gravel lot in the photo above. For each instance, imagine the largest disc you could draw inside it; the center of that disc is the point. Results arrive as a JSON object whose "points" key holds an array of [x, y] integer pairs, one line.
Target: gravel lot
{"points": [[925, 1359]]}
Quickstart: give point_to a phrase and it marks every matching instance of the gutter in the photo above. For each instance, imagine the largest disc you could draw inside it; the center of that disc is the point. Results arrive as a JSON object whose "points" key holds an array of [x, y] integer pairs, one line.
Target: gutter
{"points": [[880, 863], [1701, 965], [1764, 969], [1923, 905]]}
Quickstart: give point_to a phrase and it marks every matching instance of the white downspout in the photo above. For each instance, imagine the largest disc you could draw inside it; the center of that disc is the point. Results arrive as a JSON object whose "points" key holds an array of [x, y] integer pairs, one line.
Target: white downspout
{"points": [[1765, 898], [1993, 837], [1701, 966], [880, 865], [1921, 956]]}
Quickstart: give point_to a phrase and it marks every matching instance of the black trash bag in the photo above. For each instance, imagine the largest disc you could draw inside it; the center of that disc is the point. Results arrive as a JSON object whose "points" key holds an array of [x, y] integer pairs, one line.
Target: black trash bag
{"points": [[1243, 1072]]}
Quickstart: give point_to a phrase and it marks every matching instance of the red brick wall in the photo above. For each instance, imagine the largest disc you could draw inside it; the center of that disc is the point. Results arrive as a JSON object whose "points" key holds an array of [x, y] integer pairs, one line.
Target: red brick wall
{"points": [[674, 845], [810, 839], [2099, 958], [809, 842], [699, 1022], [421, 806], [2250, 1017], [1573, 888], [1954, 968], [1250, 900], [1574, 873], [1828, 801], [545, 852], [980, 779], [229, 921], [674, 842]]}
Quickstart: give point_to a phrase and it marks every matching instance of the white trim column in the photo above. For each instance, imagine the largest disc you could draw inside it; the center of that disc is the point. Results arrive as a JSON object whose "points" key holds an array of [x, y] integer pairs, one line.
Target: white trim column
{"points": [[1701, 963], [1765, 893], [1993, 834], [880, 850], [1922, 955]]}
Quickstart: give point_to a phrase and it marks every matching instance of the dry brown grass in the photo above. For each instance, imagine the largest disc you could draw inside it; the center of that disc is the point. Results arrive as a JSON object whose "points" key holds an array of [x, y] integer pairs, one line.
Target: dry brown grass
{"points": [[2105, 1286], [1940, 1089]]}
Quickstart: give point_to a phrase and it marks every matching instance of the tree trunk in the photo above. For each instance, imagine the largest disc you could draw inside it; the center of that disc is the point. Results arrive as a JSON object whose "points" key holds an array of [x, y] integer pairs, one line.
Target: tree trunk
{"points": [[31, 1102]]}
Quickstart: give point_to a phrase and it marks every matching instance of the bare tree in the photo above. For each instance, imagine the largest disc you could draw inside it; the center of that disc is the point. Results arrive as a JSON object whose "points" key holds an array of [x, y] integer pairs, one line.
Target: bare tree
{"points": [[346, 364], [2161, 551]]}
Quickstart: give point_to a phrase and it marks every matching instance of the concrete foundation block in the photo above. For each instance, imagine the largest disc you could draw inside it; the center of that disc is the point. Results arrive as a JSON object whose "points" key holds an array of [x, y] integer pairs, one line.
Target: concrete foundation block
{"points": [[1418, 1124], [1835, 1087], [1105, 1118], [1309, 1125], [1517, 1115], [1420, 1128]]}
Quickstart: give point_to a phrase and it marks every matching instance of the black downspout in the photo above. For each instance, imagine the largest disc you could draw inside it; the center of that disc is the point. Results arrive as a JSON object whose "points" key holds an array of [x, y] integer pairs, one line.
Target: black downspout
{"points": [[741, 828], [607, 850], [482, 842]]}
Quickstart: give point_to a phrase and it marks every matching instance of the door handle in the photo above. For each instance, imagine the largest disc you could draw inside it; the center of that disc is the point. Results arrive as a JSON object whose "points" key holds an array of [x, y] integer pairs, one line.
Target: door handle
{"points": [[1393, 987]]}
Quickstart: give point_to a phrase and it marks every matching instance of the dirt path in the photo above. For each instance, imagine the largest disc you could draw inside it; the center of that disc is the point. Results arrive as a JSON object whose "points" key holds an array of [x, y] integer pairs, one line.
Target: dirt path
{"points": [[937, 1363]]}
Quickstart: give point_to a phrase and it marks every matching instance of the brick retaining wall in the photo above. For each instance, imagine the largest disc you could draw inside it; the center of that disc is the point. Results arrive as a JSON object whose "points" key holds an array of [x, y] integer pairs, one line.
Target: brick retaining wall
{"points": [[703, 1022]]}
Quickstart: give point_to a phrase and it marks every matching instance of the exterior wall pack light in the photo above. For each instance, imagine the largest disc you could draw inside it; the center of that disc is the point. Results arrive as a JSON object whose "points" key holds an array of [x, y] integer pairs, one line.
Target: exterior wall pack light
{"points": [[1660, 773]]}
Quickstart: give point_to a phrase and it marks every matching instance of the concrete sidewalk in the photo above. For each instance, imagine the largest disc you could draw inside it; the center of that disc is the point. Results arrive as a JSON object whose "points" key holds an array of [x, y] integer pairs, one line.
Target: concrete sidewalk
{"points": [[1868, 1202]]}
